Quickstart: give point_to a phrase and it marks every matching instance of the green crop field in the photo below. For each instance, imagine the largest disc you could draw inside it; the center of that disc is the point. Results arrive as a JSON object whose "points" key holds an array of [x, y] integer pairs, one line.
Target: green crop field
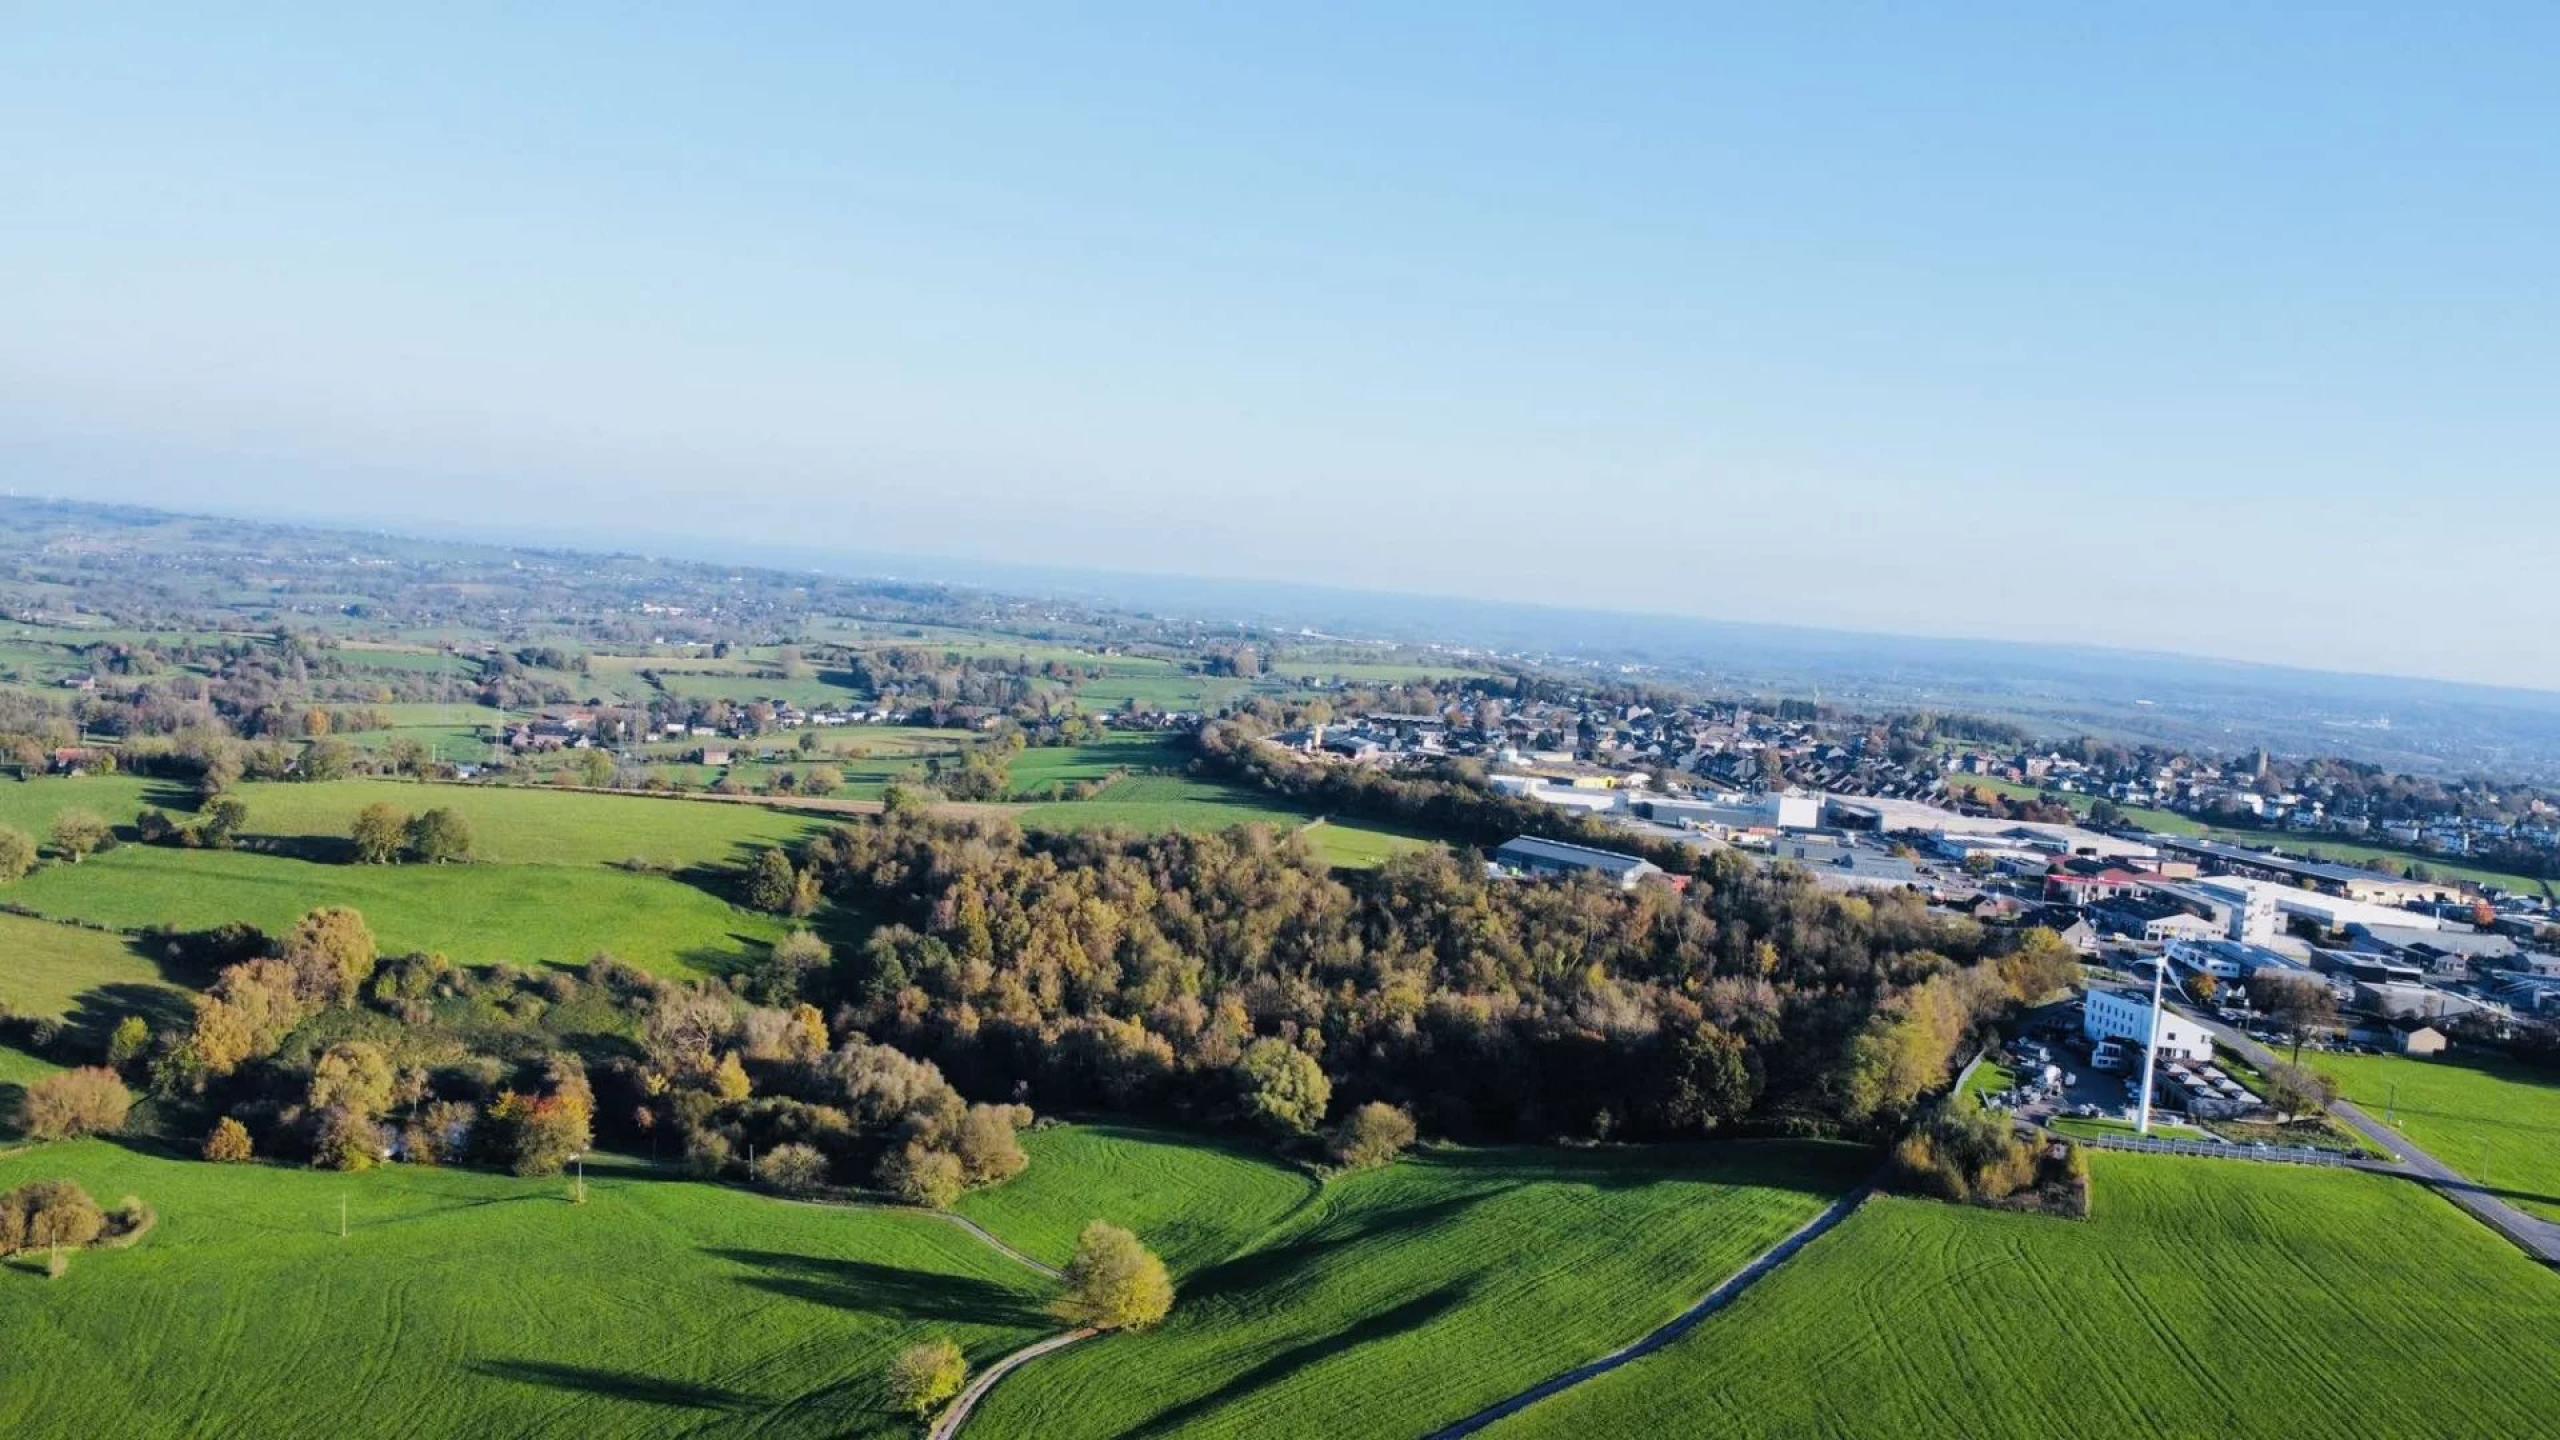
{"points": [[1362, 844], [1194, 1201], [1408, 1297], [462, 1303], [808, 692], [475, 914], [528, 825], [1037, 771], [1152, 804], [2470, 1110], [2204, 1297], [64, 972]]}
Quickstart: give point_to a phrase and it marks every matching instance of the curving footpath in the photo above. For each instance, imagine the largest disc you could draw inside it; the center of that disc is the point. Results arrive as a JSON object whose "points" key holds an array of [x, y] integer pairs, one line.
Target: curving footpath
{"points": [[1715, 1300], [958, 1413]]}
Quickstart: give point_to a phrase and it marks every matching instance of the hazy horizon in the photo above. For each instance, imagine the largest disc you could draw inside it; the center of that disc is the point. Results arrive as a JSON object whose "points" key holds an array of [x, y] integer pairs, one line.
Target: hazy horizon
{"points": [[2150, 332]]}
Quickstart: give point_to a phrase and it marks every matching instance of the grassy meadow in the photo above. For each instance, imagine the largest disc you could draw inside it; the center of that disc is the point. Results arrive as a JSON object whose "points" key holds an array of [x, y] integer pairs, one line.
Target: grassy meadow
{"points": [[2468, 1109], [2202, 1298], [475, 914], [462, 1303], [1398, 1299]]}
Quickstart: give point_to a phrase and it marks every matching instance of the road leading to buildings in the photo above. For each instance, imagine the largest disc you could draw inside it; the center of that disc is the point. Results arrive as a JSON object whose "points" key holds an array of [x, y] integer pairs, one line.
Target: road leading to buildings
{"points": [[2534, 1235]]}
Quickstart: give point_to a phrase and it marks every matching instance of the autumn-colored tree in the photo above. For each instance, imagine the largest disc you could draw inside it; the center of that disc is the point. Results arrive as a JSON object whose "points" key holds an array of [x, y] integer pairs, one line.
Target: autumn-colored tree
{"points": [[921, 1175], [354, 1075], [729, 1078], [91, 1100], [332, 953], [1282, 1087], [926, 1376], [379, 832], [229, 1143], [1371, 1136], [1114, 1282], [988, 1149]]}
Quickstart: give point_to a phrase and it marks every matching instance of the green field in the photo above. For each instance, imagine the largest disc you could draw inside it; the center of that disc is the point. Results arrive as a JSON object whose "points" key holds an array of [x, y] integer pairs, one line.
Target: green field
{"points": [[1408, 1297], [1152, 804], [2469, 1110], [63, 972], [469, 1304], [475, 914], [1194, 1201], [808, 692], [1362, 844], [529, 826], [2203, 1298], [1037, 771]]}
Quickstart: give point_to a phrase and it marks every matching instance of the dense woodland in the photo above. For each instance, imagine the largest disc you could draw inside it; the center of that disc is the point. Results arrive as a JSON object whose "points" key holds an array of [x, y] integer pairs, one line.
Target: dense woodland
{"points": [[1108, 972]]}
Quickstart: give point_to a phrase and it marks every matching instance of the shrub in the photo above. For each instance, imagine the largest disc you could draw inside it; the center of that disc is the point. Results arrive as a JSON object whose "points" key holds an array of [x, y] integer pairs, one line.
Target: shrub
{"points": [[91, 1100], [17, 854], [229, 1143], [52, 1212], [920, 1175], [1374, 1134], [1114, 1282], [793, 1169], [924, 1377], [131, 1038], [988, 1150]]}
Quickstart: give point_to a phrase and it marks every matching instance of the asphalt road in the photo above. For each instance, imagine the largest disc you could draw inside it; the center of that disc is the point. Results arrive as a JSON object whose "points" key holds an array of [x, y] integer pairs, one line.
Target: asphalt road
{"points": [[2538, 1237]]}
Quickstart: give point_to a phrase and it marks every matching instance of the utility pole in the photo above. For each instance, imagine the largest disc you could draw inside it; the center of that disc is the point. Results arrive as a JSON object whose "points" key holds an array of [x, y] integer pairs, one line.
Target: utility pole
{"points": [[2150, 1048], [2391, 1111], [342, 1217]]}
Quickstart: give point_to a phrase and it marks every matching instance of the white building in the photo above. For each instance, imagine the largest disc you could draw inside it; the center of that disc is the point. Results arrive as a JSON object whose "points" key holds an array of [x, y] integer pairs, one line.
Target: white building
{"points": [[2125, 1016], [2253, 899]]}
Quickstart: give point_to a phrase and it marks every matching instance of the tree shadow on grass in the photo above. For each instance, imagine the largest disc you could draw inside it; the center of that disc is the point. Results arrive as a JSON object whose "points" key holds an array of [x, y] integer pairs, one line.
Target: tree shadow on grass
{"points": [[13, 1102], [618, 1385], [1413, 1314], [1271, 1264], [96, 1012], [885, 1289]]}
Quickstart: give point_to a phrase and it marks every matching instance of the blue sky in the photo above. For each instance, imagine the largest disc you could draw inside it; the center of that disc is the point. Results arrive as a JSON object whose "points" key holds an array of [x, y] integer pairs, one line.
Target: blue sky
{"points": [[2226, 329]]}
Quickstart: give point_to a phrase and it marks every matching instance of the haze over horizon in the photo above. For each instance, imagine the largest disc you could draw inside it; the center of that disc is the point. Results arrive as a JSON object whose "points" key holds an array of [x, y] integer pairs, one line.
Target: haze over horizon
{"points": [[2153, 331]]}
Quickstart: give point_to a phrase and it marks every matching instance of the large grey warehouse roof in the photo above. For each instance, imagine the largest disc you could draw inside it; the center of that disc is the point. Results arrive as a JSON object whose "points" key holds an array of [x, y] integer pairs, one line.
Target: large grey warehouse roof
{"points": [[1557, 852]]}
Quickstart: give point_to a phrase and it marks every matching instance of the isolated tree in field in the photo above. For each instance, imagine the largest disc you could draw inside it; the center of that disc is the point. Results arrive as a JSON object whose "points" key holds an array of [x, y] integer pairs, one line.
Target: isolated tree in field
{"points": [[91, 1100], [1372, 1135], [925, 1377], [2299, 1005], [78, 834], [772, 882], [821, 779], [42, 1214], [380, 832], [1114, 1282], [126, 1045], [17, 854], [2293, 1090], [439, 836], [1283, 1087], [229, 1143]]}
